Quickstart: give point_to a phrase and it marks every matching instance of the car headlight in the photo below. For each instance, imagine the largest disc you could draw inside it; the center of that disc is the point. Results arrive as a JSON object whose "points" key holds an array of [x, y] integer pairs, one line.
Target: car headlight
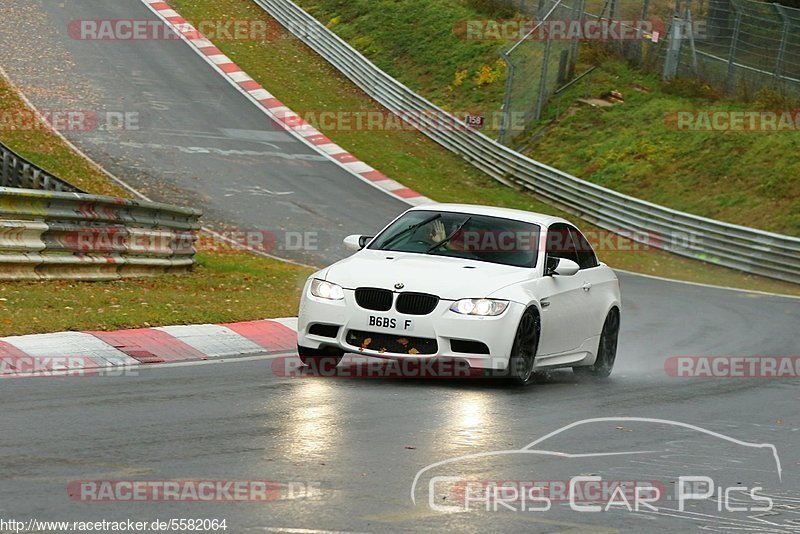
{"points": [[482, 307], [326, 290]]}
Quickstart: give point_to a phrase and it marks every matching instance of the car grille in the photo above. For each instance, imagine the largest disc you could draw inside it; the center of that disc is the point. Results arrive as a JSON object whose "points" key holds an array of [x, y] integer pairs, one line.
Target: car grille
{"points": [[416, 303], [374, 299], [393, 343]]}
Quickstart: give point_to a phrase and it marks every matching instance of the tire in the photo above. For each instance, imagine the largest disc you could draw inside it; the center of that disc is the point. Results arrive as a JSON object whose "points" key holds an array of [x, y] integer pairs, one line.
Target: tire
{"points": [[323, 359], [523, 351], [606, 350]]}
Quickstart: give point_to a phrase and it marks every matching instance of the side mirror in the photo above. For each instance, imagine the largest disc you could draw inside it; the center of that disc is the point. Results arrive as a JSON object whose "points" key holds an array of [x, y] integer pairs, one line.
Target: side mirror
{"points": [[356, 242], [561, 267]]}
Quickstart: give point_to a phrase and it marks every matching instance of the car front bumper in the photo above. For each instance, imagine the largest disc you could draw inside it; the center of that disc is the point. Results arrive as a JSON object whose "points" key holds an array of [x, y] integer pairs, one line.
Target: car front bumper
{"points": [[440, 334]]}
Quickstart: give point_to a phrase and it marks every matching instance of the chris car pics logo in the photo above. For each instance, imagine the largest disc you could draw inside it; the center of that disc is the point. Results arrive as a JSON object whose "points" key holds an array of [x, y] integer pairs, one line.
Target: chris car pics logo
{"points": [[449, 491]]}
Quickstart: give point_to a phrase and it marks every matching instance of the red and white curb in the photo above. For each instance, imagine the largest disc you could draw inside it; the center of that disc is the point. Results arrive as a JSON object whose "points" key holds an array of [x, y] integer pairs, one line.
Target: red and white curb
{"points": [[276, 110], [77, 351]]}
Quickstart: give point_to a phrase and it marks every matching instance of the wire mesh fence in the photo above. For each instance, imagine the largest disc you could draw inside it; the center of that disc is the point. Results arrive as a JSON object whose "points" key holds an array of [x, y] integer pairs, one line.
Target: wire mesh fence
{"points": [[539, 62], [545, 56], [741, 45], [736, 46]]}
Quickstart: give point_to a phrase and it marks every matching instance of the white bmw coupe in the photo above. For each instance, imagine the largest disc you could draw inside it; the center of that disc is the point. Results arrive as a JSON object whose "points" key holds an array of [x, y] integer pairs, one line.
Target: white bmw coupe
{"points": [[504, 290]]}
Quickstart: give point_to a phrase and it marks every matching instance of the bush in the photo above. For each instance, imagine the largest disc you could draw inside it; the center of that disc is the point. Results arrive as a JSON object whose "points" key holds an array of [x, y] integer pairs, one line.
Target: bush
{"points": [[691, 88], [775, 99], [494, 8]]}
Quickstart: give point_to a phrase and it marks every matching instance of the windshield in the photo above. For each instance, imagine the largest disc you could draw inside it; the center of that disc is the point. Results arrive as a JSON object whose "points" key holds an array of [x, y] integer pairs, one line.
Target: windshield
{"points": [[462, 235]]}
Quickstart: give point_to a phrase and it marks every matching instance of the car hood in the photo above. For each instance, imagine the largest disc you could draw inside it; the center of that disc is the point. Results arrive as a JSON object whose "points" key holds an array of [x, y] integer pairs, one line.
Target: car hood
{"points": [[448, 278]]}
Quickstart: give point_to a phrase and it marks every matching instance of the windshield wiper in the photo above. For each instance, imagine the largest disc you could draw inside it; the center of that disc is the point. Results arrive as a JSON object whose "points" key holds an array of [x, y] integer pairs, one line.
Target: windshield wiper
{"points": [[449, 237], [410, 229]]}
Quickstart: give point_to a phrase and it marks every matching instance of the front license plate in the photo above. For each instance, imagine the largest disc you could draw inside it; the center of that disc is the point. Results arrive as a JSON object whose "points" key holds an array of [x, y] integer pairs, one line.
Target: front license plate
{"points": [[391, 323]]}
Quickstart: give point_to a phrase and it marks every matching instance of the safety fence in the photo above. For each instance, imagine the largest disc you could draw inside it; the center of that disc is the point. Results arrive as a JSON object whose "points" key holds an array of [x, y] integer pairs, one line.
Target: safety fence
{"points": [[16, 171], [747, 249], [740, 46], [60, 235], [737, 46]]}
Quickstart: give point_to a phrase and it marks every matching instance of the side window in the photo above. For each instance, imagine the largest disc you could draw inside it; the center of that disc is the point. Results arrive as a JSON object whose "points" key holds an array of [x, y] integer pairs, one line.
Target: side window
{"points": [[586, 256], [559, 243]]}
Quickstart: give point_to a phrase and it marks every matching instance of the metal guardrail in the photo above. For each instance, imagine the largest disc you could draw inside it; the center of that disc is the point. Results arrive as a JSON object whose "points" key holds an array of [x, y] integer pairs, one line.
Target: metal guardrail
{"points": [[16, 171], [60, 235], [747, 249]]}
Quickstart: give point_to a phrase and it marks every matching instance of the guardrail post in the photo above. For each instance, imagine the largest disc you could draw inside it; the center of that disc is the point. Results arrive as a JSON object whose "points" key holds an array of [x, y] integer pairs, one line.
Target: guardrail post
{"points": [[690, 28], [506, 98], [673, 49], [729, 78], [6, 174], [16, 173], [640, 44], [787, 24], [580, 6], [540, 98]]}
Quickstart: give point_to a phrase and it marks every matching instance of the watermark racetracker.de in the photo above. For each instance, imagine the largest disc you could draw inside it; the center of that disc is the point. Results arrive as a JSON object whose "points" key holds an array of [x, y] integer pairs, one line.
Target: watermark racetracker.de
{"points": [[719, 120], [232, 29], [200, 491], [87, 240], [769, 367], [69, 120], [61, 367], [515, 29]]}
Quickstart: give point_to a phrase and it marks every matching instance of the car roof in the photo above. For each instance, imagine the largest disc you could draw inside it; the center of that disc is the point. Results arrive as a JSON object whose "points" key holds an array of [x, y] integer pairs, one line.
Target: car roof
{"points": [[491, 211]]}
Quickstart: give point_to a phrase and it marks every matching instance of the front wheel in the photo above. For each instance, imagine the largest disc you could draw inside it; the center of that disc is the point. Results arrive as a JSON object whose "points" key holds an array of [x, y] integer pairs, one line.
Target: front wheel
{"points": [[523, 351], [606, 350], [321, 359]]}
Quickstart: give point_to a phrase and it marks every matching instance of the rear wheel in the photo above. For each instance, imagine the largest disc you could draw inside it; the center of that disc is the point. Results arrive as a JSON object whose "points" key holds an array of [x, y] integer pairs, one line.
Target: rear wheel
{"points": [[606, 351], [523, 351], [321, 359]]}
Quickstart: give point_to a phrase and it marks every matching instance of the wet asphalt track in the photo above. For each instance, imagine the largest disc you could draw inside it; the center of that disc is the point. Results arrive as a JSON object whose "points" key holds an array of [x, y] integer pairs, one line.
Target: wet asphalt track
{"points": [[196, 141], [361, 442]]}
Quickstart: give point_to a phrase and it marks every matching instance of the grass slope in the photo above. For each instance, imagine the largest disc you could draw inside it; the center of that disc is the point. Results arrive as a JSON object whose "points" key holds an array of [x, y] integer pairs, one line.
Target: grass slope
{"points": [[748, 178], [744, 177], [306, 83]]}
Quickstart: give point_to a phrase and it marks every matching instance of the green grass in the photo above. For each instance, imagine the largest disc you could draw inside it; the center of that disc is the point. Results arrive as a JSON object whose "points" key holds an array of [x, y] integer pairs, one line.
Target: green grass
{"points": [[748, 178], [739, 177], [421, 42], [304, 82], [224, 287]]}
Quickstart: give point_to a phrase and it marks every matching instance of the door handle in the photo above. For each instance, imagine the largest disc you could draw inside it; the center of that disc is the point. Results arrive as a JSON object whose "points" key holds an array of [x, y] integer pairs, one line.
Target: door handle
{"points": [[587, 286]]}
